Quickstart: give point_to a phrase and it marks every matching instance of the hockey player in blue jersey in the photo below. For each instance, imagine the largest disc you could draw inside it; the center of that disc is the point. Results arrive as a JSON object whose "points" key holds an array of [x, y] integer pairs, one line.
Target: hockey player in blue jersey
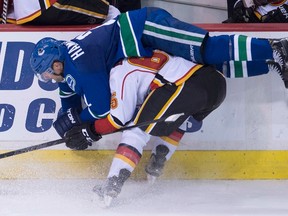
{"points": [[88, 58]]}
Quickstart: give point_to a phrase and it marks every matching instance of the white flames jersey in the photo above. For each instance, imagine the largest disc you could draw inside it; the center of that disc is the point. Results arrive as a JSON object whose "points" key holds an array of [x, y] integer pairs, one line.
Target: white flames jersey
{"points": [[132, 79]]}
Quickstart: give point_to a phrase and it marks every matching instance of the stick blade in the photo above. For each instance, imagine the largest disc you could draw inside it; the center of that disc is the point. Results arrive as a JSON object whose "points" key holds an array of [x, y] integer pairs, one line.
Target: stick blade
{"points": [[174, 117]]}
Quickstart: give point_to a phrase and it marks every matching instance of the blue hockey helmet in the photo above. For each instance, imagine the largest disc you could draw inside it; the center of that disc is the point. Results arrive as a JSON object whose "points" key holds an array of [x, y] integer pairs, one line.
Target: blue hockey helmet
{"points": [[46, 51]]}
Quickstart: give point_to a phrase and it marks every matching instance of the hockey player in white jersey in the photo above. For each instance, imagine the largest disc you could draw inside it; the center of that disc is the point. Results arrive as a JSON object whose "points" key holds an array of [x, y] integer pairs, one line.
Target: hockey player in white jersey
{"points": [[153, 88]]}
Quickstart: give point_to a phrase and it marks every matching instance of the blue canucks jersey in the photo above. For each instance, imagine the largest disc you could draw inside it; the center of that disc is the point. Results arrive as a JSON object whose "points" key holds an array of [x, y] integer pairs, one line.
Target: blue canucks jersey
{"points": [[88, 60]]}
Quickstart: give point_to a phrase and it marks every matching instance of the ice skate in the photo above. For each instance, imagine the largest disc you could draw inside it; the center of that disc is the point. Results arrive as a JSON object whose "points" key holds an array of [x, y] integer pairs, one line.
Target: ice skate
{"points": [[107, 192], [280, 55], [156, 163]]}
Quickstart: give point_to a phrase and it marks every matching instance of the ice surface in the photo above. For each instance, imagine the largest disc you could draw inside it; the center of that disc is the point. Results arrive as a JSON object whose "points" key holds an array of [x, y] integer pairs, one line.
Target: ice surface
{"points": [[165, 197]]}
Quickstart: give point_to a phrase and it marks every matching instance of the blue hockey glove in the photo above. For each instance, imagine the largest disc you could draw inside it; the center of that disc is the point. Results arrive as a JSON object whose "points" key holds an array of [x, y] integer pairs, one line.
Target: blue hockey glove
{"points": [[66, 121], [82, 136]]}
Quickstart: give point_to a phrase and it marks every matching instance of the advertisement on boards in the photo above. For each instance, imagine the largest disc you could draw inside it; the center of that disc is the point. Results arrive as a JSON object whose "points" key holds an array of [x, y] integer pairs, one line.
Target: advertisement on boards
{"points": [[28, 107]]}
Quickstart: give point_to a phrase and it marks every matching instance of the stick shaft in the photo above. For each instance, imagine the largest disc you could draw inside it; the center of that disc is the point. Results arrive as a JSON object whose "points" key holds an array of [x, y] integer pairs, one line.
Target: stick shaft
{"points": [[32, 148]]}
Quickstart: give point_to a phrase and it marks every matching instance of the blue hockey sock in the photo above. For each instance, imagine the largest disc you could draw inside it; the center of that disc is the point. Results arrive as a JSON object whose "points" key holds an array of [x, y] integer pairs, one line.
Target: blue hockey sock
{"points": [[219, 49], [249, 49]]}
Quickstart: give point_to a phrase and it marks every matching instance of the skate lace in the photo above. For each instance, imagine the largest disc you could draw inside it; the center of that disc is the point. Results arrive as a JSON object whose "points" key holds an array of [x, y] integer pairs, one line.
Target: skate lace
{"points": [[275, 68], [279, 59]]}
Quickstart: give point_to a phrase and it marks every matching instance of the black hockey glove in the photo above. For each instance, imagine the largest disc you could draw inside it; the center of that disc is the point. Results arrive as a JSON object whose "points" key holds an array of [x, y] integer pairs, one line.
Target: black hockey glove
{"points": [[66, 121], [82, 136], [279, 15]]}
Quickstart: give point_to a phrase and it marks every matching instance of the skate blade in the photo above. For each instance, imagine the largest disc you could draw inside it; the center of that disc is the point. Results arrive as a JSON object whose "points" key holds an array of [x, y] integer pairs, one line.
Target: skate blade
{"points": [[99, 201], [151, 179], [103, 202], [107, 201]]}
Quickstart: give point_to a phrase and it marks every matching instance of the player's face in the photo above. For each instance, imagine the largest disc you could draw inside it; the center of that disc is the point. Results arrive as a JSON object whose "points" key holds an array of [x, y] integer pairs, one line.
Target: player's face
{"points": [[57, 72], [58, 68]]}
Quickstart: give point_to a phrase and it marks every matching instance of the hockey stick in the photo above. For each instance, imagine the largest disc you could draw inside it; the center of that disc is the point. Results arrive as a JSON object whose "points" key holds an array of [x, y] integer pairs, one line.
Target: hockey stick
{"points": [[4, 11], [171, 118]]}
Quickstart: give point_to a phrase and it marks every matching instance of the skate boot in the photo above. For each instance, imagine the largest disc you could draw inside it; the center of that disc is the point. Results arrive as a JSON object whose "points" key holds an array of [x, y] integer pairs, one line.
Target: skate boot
{"points": [[156, 163], [280, 55], [111, 188]]}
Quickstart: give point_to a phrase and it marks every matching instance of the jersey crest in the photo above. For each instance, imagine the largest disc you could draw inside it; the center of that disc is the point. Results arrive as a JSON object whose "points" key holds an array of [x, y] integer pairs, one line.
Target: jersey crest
{"points": [[71, 82], [114, 101]]}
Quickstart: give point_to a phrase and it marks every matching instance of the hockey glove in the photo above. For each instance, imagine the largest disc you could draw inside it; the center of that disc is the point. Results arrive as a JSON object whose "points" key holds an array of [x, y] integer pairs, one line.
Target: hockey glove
{"points": [[82, 136], [66, 121], [279, 15]]}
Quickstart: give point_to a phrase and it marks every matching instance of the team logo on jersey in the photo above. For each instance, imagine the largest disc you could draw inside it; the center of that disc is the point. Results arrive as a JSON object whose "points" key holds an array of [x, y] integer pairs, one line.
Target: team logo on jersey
{"points": [[41, 52], [114, 101], [70, 81]]}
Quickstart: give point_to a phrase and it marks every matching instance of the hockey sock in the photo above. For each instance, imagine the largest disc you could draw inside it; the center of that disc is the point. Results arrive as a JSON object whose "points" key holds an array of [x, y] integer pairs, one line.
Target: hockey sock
{"points": [[249, 49], [126, 157], [219, 49], [171, 141]]}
